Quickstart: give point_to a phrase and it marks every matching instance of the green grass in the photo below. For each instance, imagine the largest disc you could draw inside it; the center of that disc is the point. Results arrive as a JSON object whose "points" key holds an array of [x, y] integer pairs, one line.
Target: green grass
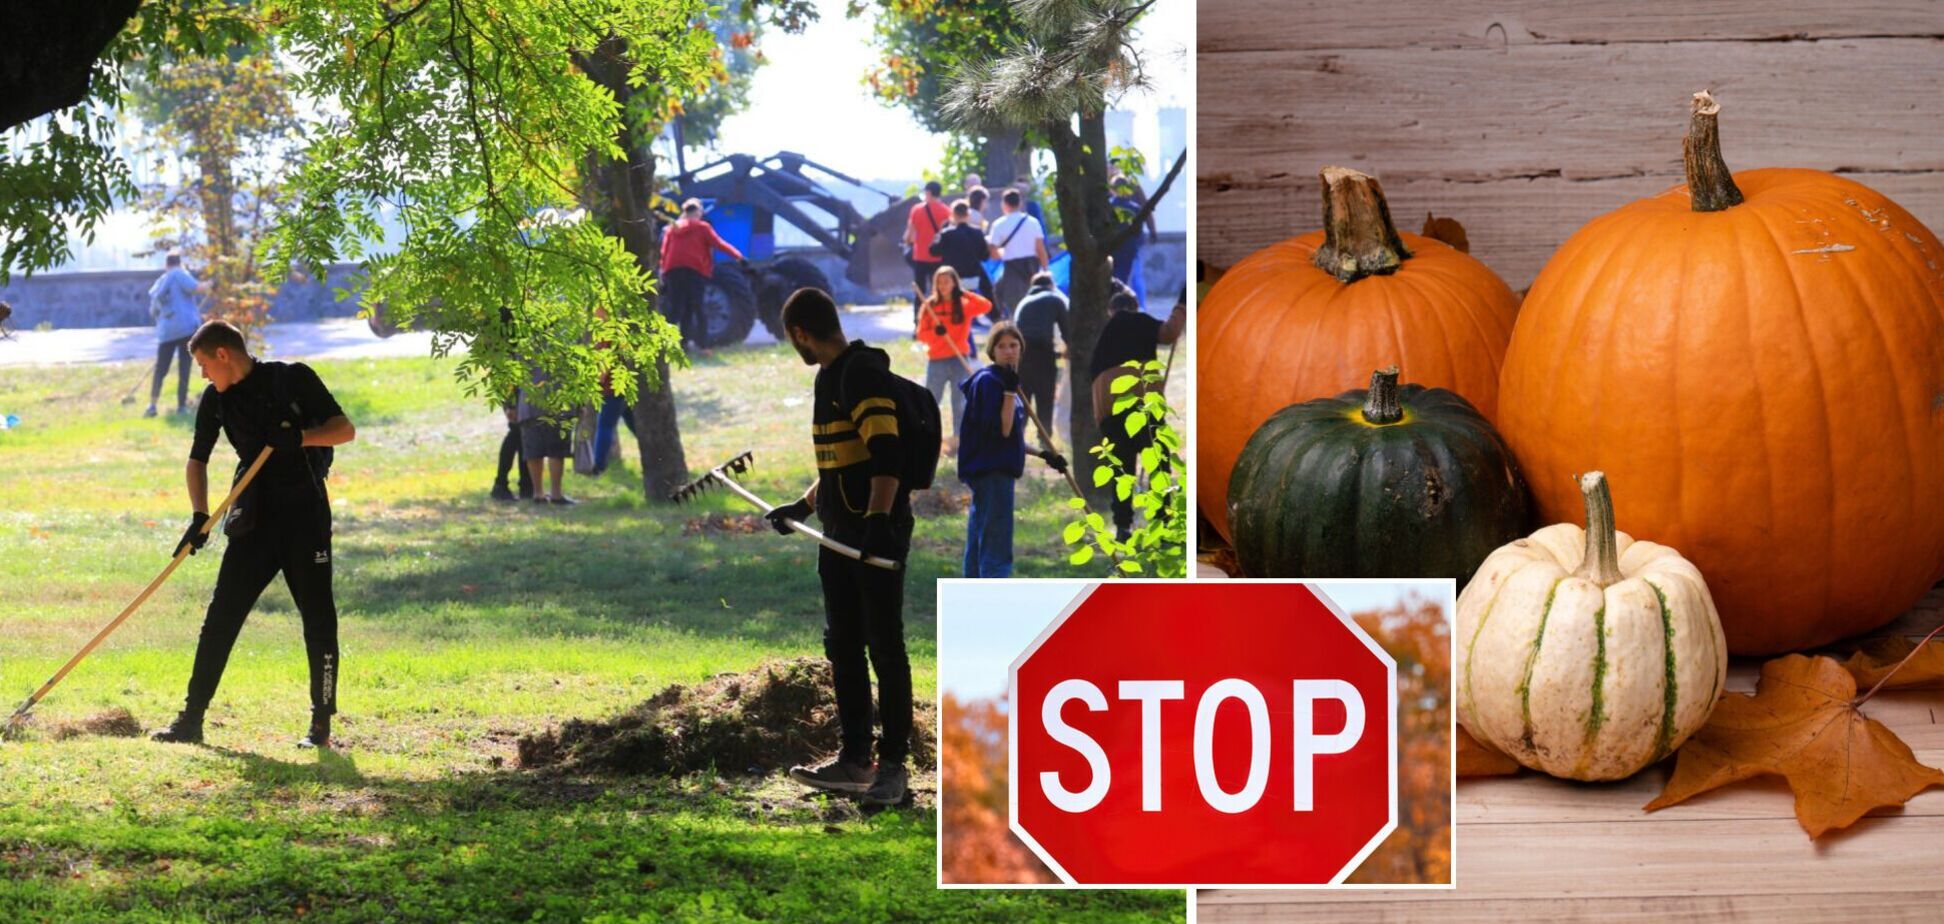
{"points": [[464, 623]]}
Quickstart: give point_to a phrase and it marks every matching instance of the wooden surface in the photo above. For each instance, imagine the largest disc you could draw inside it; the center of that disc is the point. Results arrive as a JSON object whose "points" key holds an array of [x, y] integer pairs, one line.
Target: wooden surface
{"points": [[1524, 122], [1534, 848]]}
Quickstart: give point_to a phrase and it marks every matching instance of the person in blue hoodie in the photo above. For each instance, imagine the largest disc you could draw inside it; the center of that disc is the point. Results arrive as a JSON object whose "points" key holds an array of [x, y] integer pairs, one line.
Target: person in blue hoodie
{"points": [[992, 453], [172, 303]]}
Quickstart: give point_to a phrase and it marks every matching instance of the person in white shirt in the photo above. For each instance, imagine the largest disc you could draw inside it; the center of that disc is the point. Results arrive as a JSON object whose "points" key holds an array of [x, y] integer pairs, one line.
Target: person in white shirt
{"points": [[1017, 239]]}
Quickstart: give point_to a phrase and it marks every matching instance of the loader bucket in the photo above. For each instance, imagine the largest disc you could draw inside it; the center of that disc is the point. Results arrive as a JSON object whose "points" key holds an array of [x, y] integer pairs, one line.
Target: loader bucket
{"points": [[877, 262]]}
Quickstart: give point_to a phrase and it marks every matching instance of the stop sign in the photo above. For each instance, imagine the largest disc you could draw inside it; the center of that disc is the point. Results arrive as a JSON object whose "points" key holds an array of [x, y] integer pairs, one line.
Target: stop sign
{"points": [[1203, 734]]}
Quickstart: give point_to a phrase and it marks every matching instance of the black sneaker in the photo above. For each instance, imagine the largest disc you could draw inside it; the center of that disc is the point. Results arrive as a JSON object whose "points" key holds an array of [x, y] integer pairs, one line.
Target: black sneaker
{"points": [[888, 788], [320, 733], [501, 492], [835, 776], [563, 501], [186, 729]]}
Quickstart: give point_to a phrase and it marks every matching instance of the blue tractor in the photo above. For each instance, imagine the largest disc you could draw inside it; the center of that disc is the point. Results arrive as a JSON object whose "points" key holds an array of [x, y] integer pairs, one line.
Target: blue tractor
{"points": [[745, 197]]}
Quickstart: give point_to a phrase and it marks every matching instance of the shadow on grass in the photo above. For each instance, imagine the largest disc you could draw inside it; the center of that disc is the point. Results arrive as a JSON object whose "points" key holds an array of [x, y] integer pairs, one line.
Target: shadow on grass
{"points": [[504, 845], [604, 569]]}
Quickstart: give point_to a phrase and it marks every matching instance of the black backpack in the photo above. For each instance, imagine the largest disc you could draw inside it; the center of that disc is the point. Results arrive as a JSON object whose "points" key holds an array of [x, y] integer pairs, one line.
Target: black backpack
{"points": [[920, 428], [319, 458]]}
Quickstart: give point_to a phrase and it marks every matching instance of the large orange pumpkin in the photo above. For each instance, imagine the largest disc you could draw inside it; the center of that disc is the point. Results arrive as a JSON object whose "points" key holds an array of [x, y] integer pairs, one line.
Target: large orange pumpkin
{"points": [[1309, 317], [1760, 359]]}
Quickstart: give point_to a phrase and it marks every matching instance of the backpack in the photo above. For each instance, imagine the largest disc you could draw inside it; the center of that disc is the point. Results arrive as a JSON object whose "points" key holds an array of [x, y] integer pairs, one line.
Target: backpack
{"points": [[319, 458], [920, 428]]}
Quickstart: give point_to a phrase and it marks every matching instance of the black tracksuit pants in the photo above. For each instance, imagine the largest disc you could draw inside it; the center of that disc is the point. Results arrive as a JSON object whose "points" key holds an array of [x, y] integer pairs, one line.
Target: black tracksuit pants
{"points": [[1039, 377], [511, 457], [293, 537], [864, 632]]}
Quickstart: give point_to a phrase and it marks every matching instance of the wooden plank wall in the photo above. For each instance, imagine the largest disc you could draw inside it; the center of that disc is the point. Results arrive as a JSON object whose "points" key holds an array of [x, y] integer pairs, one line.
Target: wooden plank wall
{"points": [[1523, 120]]}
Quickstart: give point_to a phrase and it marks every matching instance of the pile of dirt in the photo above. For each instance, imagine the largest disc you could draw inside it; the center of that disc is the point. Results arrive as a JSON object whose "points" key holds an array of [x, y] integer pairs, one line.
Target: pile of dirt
{"points": [[725, 523], [108, 723], [781, 713]]}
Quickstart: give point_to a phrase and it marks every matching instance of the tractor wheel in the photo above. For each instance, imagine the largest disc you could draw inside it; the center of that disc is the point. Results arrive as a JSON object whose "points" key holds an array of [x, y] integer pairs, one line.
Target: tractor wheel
{"points": [[779, 280], [728, 307]]}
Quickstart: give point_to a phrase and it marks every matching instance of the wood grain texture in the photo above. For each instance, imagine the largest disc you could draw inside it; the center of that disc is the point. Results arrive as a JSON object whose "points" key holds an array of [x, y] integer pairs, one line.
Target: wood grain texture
{"points": [[1514, 225], [1889, 907], [1577, 112], [1238, 25]]}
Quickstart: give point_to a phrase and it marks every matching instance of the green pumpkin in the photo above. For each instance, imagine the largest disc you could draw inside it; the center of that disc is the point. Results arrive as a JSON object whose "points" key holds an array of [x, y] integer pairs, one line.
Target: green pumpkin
{"points": [[1386, 482]]}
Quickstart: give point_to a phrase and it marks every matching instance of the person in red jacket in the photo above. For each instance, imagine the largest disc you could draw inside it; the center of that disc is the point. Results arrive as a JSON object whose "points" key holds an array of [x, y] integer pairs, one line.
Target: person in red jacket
{"points": [[687, 262], [945, 328]]}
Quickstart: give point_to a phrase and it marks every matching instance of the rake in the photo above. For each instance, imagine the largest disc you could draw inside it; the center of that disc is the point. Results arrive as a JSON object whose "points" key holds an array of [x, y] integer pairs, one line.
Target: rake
{"points": [[742, 464], [215, 516]]}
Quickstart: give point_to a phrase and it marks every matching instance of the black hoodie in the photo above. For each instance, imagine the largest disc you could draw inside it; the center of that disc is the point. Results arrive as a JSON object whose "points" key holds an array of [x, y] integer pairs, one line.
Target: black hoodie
{"points": [[855, 428]]}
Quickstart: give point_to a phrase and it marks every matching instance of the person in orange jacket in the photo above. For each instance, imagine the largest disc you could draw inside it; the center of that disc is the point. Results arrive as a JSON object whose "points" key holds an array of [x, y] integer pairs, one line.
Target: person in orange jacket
{"points": [[945, 328]]}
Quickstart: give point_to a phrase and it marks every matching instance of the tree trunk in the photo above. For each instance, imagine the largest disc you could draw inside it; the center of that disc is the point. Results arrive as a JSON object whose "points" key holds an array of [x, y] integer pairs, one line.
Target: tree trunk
{"points": [[618, 191], [217, 198], [1005, 161], [1081, 183]]}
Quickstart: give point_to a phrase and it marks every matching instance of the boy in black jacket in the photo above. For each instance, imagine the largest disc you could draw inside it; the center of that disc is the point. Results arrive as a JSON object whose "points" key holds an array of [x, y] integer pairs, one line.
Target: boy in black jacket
{"points": [[281, 523], [862, 503], [963, 248]]}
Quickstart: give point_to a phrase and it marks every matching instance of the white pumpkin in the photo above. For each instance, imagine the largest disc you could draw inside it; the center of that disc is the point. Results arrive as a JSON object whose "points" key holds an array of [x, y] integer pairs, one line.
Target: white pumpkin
{"points": [[1586, 654]]}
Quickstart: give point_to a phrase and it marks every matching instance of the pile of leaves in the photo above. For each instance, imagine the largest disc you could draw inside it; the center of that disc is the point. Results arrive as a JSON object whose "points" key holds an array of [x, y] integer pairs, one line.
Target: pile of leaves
{"points": [[940, 501], [108, 723], [744, 523], [1804, 723], [757, 722]]}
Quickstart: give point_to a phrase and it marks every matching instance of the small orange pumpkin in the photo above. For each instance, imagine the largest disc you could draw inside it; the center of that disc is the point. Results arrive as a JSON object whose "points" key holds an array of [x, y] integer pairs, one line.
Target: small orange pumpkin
{"points": [[1760, 359], [1309, 317]]}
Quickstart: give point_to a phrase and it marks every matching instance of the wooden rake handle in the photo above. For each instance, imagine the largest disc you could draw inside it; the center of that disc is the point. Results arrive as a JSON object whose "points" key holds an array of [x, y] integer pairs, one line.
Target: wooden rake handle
{"points": [[215, 516]]}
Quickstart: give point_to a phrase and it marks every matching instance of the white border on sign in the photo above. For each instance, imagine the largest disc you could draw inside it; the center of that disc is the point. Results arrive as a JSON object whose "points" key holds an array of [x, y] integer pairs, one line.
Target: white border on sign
{"points": [[1446, 591]]}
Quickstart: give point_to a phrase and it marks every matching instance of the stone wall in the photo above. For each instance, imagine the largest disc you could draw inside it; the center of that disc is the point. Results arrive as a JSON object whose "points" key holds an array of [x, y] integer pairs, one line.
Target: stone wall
{"points": [[119, 298]]}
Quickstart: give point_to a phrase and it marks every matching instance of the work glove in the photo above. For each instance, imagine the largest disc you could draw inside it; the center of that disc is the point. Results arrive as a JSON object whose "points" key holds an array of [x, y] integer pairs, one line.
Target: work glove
{"points": [[286, 437], [1054, 460], [194, 537], [880, 538], [799, 511], [1008, 376], [938, 329]]}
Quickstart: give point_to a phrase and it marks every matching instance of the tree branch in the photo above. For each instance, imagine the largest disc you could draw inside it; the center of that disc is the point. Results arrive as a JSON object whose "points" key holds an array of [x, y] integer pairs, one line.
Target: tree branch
{"points": [[1115, 241]]}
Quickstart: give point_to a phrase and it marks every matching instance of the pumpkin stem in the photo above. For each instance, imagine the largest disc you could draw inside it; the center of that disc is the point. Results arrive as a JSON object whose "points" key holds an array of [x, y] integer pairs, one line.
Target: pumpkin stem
{"points": [[1380, 403], [1602, 562], [1358, 237], [1710, 187]]}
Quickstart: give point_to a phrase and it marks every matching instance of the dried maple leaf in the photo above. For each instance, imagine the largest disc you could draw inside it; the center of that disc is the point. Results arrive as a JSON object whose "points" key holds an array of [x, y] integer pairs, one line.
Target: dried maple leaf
{"points": [[1447, 230], [1475, 759], [1802, 724], [1879, 659]]}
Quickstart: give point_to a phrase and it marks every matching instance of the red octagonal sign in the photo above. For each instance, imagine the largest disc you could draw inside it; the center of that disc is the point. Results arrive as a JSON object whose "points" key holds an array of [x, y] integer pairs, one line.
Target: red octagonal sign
{"points": [[1203, 734]]}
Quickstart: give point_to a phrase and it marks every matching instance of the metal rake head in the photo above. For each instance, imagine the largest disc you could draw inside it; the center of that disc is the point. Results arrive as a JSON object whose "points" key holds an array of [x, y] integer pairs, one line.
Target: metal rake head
{"points": [[737, 465]]}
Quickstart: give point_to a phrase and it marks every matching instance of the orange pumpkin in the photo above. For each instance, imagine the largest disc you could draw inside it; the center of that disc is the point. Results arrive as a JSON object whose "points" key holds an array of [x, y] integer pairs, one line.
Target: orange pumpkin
{"points": [[1309, 317], [1760, 359]]}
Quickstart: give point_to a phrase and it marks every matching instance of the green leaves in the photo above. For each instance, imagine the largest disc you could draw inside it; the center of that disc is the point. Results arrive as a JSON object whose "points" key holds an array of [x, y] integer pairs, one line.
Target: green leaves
{"points": [[470, 129], [1159, 545]]}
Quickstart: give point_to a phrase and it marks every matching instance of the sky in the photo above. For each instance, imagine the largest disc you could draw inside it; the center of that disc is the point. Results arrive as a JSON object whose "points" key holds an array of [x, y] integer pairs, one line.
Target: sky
{"points": [[983, 626], [811, 97]]}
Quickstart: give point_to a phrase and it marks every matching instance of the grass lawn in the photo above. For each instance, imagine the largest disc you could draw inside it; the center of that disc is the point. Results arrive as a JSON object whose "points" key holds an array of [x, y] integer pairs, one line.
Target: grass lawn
{"points": [[464, 624]]}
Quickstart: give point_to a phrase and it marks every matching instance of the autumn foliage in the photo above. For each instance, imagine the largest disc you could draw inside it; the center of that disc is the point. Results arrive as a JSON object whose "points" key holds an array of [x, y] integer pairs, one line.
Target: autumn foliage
{"points": [[1417, 633], [979, 847]]}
